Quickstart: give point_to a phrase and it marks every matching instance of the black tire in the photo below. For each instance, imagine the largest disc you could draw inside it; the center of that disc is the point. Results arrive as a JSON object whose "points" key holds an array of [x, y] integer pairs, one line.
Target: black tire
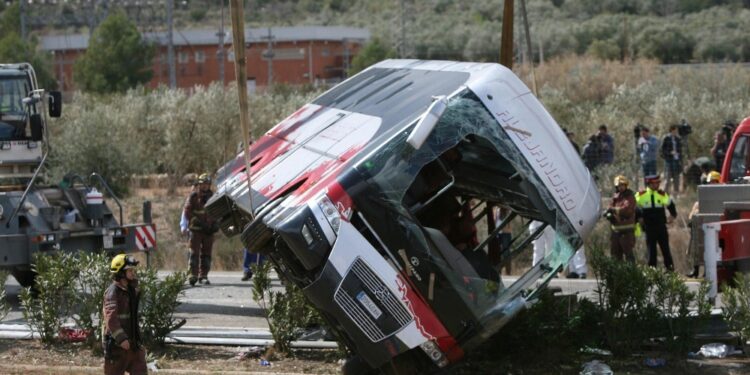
{"points": [[24, 277]]}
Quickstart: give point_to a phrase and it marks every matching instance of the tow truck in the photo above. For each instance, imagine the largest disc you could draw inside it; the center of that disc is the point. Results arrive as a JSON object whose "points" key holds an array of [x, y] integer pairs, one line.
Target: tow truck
{"points": [[38, 218]]}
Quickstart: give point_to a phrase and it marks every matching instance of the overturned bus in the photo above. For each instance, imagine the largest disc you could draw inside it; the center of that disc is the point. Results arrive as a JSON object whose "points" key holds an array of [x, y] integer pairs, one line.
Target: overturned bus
{"points": [[369, 198]]}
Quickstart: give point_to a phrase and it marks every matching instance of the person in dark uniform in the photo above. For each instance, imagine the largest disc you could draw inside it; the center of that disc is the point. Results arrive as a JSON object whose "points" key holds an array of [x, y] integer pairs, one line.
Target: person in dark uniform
{"points": [[621, 216], [652, 202], [122, 340], [202, 229]]}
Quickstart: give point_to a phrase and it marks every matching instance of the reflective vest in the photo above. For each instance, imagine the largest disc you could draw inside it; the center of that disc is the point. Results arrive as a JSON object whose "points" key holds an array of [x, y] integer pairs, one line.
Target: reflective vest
{"points": [[653, 204], [652, 199]]}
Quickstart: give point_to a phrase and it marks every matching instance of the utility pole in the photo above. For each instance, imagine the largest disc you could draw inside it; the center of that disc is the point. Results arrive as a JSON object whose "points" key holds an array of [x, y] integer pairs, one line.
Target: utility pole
{"points": [[238, 43], [528, 46], [506, 38], [220, 53], [269, 54], [170, 45], [346, 57], [402, 42], [22, 10]]}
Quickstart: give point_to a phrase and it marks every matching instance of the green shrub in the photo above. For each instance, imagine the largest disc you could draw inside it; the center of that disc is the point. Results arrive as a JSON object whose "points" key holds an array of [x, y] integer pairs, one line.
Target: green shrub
{"points": [[121, 134], [47, 307], [86, 307], [736, 309], [636, 303], [4, 306], [158, 304], [286, 312]]}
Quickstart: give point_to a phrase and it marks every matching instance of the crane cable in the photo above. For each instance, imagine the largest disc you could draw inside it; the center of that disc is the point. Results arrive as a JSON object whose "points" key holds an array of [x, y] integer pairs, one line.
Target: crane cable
{"points": [[238, 43]]}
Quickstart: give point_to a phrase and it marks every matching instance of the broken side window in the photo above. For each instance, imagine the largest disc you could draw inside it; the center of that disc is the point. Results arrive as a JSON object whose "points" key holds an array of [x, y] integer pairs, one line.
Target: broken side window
{"points": [[431, 193]]}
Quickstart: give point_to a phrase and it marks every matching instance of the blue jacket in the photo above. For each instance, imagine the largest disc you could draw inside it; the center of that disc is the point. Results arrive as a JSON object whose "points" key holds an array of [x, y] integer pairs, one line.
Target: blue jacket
{"points": [[648, 148]]}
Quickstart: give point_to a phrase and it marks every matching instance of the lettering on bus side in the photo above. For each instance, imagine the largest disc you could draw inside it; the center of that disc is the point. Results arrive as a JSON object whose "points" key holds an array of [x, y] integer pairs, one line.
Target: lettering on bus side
{"points": [[539, 158]]}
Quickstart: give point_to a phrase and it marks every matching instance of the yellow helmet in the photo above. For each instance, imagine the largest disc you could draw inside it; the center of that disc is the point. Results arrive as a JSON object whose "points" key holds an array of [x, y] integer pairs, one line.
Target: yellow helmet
{"points": [[122, 262], [204, 178], [713, 177], [621, 180]]}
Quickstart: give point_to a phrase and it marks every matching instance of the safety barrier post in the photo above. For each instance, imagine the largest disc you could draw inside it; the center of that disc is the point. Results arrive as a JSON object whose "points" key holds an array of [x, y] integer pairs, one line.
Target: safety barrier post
{"points": [[711, 256]]}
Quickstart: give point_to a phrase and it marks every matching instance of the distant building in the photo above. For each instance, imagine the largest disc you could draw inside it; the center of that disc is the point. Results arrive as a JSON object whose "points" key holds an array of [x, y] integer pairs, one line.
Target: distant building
{"points": [[295, 55]]}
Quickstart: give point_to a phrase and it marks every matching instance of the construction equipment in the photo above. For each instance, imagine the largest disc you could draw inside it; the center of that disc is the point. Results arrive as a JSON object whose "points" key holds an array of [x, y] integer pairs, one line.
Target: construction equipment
{"points": [[39, 219], [723, 222]]}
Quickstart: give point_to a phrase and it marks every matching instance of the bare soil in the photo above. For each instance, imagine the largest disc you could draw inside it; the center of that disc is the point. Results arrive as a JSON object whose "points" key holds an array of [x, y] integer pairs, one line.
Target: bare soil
{"points": [[31, 357]]}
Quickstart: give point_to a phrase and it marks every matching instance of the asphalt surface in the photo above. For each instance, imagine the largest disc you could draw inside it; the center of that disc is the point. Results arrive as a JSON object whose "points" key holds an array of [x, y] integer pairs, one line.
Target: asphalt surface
{"points": [[228, 301]]}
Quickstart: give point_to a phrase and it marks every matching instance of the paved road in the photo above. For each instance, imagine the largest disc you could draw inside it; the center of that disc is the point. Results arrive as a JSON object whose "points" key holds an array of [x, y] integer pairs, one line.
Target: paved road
{"points": [[228, 302]]}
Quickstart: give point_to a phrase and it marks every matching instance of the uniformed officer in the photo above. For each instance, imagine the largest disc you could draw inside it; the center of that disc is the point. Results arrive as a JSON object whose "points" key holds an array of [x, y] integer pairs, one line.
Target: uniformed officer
{"points": [[652, 202], [202, 229], [122, 347]]}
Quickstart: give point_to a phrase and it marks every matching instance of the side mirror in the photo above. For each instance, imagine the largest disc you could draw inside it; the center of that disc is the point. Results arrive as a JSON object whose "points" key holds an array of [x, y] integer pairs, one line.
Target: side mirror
{"points": [[427, 123], [55, 104], [37, 128]]}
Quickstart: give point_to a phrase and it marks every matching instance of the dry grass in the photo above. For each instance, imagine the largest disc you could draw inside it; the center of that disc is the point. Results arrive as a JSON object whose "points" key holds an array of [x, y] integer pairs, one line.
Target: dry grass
{"points": [[172, 249], [31, 357]]}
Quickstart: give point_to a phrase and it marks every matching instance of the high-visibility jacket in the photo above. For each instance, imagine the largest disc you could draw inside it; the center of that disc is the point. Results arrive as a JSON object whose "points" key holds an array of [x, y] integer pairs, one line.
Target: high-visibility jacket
{"points": [[652, 204]]}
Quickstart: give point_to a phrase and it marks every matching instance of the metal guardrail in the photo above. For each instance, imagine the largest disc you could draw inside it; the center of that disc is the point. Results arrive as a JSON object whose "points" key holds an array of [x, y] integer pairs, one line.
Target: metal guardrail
{"points": [[194, 335]]}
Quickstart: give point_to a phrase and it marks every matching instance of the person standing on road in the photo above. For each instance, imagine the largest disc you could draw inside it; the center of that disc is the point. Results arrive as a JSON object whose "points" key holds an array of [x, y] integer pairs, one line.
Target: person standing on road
{"points": [[648, 145], [652, 203], [671, 151], [202, 229], [621, 216], [248, 259], [122, 339]]}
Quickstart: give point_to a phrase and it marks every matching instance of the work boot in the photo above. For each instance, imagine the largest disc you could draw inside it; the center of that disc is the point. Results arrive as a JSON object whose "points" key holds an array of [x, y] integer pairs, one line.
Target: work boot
{"points": [[192, 280], [247, 275], [695, 272]]}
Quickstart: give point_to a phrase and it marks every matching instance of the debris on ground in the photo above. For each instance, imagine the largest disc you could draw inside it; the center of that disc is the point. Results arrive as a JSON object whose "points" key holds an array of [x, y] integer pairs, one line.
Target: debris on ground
{"points": [[72, 334], [715, 350], [597, 351], [153, 366], [264, 362], [596, 367], [251, 352], [655, 362]]}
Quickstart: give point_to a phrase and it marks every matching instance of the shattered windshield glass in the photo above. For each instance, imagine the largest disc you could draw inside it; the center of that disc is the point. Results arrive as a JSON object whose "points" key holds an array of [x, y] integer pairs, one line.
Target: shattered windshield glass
{"points": [[436, 195]]}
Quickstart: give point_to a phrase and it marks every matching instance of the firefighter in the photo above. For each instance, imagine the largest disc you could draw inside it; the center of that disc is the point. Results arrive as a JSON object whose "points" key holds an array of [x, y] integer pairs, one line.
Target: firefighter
{"points": [[122, 346], [621, 215], [652, 202], [202, 230]]}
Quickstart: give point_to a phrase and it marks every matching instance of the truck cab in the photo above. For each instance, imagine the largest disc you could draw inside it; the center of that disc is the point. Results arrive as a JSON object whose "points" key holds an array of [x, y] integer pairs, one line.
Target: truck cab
{"points": [[38, 218], [736, 167]]}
